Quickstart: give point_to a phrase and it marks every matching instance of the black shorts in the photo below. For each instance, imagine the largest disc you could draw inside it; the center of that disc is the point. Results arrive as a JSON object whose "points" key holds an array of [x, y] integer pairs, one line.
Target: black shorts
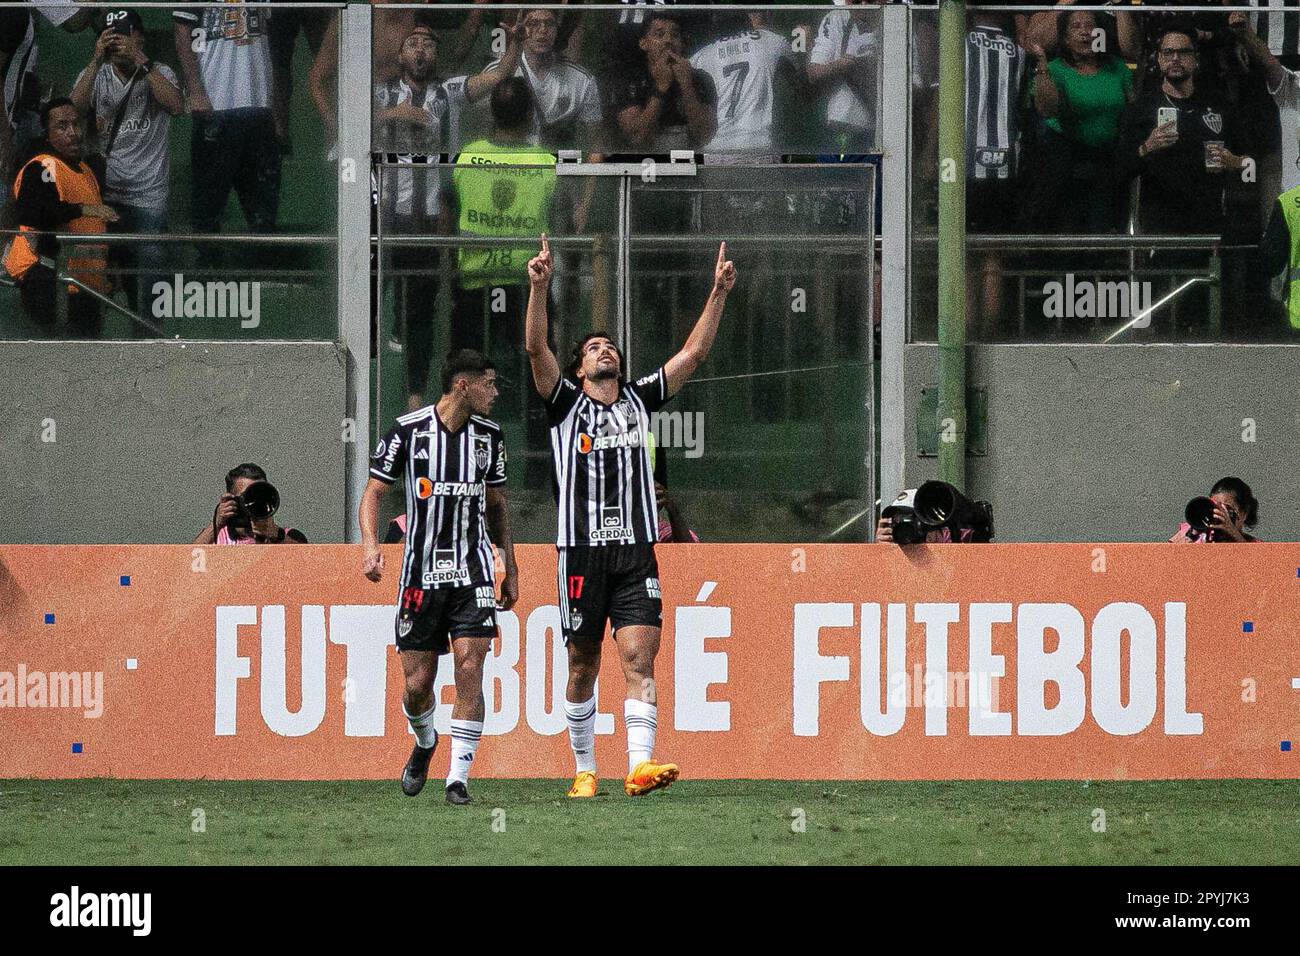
{"points": [[618, 582], [429, 618]]}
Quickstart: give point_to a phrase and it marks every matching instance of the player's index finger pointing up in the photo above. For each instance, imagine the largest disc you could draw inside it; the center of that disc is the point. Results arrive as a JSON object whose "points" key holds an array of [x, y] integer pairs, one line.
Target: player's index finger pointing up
{"points": [[546, 245], [722, 253]]}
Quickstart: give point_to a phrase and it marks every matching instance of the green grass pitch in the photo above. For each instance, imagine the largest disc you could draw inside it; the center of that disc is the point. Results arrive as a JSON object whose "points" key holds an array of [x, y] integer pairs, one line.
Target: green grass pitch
{"points": [[77, 822]]}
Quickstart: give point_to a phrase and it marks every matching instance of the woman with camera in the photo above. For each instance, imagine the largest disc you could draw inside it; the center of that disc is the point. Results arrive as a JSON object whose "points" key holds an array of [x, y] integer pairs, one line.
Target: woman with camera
{"points": [[244, 514], [1223, 516]]}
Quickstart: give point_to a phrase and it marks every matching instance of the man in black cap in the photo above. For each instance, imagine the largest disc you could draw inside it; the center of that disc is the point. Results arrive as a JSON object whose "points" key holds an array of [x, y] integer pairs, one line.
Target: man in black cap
{"points": [[130, 100]]}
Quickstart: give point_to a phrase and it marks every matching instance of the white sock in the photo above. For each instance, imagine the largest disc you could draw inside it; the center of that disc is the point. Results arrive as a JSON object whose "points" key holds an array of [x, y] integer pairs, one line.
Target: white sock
{"points": [[641, 719], [582, 733], [425, 735], [464, 741]]}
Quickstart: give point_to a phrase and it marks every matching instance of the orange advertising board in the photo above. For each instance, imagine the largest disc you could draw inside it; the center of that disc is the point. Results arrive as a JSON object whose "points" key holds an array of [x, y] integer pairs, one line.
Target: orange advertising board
{"points": [[778, 661]]}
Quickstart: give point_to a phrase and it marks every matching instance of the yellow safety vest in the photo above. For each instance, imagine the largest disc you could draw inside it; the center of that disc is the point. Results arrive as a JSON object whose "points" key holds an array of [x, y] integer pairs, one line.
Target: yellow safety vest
{"points": [[502, 191], [1290, 201]]}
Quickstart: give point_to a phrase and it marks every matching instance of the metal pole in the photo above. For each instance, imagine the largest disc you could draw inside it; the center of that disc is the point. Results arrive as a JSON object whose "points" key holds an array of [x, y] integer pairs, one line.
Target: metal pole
{"points": [[896, 234], [354, 248], [952, 242]]}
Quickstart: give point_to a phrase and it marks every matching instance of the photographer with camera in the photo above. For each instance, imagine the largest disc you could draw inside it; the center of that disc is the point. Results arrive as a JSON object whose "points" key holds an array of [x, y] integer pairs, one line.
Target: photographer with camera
{"points": [[1221, 517], [244, 514], [935, 513]]}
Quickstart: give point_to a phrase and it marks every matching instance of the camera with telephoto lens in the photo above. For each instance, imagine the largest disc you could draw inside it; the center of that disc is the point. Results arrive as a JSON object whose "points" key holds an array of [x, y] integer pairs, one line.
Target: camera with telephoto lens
{"points": [[1199, 515], [259, 500], [936, 505]]}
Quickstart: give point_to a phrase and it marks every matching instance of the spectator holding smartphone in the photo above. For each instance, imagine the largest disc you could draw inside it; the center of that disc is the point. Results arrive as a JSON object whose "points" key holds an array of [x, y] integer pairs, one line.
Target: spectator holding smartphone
{"points": [[131, 100]]}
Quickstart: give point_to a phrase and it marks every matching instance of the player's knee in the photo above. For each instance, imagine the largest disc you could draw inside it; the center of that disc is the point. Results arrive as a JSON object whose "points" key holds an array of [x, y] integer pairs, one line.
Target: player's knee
{"points": [[639, 671], [584, 666], [419, 686], [418, 699], [469, 671]]}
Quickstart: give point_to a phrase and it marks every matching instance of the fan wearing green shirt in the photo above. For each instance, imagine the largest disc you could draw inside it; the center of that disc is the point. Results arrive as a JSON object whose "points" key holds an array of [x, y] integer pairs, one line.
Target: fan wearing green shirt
{"points": [[1081, 95], [502, 186]]}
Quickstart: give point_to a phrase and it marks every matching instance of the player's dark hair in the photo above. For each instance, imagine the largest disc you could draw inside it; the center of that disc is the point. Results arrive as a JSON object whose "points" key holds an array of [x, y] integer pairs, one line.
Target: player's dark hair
{"points": [[50, 107], [246, 470], [463, 362], [1241, 491], [512, 104], [575, 357]]}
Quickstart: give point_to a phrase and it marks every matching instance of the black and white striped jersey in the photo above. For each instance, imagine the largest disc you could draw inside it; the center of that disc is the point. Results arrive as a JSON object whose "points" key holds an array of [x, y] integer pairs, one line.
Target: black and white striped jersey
{"points": [[447, 475], [604, 484], [1278, 25], [995, 67], [413, 187]]}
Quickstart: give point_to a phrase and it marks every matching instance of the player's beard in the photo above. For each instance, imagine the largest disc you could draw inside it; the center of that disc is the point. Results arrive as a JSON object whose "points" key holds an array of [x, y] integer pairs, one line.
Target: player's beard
{"points": [[601, 374]]}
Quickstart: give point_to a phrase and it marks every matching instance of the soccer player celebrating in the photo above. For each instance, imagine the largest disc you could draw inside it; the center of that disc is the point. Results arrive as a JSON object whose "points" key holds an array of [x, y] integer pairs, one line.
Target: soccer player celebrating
{"points": [[607, 517], [454, 462]]}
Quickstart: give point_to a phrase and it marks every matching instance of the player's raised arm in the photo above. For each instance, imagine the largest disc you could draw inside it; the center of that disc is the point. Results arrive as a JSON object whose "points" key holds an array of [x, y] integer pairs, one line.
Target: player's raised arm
{"points": [[481, 85], [546, 370], [682, 366]]}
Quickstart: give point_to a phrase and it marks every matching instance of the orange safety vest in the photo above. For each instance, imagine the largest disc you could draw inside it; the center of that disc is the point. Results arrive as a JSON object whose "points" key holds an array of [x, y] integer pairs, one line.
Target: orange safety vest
{"points": [[86, 263]]}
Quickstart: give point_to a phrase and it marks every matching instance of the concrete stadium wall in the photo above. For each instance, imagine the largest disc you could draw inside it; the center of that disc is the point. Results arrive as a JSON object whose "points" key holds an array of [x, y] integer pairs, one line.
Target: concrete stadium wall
{"points": [[144, 434], [1108, 442]]}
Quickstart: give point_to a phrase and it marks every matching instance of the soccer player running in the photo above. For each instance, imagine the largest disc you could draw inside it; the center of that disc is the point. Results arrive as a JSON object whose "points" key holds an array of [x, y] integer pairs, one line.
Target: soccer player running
{"points": [[607, 517], [454, 462]]}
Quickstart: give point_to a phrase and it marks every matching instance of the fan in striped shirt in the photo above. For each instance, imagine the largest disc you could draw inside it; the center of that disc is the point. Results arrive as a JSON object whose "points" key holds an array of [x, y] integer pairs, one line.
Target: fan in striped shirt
{"points": [[607, 516], [453, 461]]}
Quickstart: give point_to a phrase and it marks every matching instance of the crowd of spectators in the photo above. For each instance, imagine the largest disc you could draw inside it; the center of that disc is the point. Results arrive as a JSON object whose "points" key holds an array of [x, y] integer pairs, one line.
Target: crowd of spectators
{"points": [[1162, 123], [1066, 111]]}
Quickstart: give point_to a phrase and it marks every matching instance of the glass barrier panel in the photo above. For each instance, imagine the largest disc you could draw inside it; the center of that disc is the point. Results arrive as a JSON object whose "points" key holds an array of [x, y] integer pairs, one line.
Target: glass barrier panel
{"points": [[459, 280], [1121, 168], [633, 80], [188, 131], [771, 440]]}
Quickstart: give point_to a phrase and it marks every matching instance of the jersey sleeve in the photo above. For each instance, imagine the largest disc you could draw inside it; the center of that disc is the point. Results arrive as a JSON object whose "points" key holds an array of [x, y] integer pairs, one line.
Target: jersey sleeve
{"points": [[652, 389], [457, 98], [1287, 94], [829, 40], [591, 110], [782, 49], [389, 456], [497, 473], [704, 88], [561, 400]]}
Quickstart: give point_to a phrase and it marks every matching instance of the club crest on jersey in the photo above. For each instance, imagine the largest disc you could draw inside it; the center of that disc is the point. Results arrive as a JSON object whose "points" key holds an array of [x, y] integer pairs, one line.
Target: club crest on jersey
{"points": [[1213, 120], [575, 620], [404, 628], [482, 451]]}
